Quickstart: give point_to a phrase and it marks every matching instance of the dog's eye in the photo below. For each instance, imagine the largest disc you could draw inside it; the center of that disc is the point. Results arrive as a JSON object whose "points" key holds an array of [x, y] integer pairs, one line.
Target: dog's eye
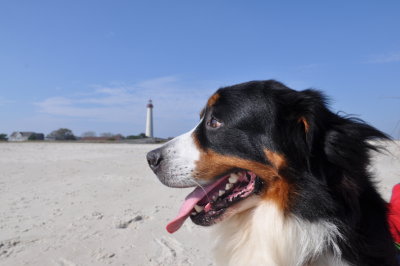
{"points": [[214, 123]]}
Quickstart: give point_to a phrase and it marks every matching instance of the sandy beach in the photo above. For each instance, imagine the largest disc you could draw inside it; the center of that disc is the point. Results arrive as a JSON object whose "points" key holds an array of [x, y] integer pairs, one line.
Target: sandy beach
{"points": [[100, 204]]}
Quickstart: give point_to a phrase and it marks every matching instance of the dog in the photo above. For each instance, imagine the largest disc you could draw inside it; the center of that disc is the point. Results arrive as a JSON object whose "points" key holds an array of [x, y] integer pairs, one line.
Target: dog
{"points": [[285, 179]]}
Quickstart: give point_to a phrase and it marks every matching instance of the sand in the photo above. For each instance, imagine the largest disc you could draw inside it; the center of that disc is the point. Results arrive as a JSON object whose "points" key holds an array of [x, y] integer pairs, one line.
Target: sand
{"points": [[99, 204]]}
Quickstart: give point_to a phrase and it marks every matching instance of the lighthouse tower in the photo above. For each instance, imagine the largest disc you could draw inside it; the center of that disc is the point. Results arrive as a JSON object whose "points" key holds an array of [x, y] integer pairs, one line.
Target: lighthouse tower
{"points": [[149, 120]]}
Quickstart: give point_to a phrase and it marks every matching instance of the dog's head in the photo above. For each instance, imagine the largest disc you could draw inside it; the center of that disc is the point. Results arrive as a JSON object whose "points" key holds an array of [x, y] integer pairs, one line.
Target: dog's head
{"points": [[260, 141]]}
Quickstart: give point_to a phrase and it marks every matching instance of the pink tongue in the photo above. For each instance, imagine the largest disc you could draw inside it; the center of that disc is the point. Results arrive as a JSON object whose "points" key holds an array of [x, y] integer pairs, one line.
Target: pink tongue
{"points": [[190, 201]]}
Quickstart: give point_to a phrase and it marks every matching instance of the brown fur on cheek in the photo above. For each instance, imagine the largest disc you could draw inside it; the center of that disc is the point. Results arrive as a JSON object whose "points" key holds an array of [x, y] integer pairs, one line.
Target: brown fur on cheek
{"points": [[278, 189], [212, 164]]}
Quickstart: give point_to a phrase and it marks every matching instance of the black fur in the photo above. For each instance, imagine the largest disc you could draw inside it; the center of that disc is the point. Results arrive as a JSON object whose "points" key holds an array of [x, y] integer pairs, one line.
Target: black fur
{"points": [[327, 159]]}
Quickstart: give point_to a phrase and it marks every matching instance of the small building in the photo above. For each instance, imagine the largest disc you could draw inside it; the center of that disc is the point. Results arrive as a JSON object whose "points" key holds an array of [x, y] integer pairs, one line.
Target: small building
{"points": [[24, 136]]}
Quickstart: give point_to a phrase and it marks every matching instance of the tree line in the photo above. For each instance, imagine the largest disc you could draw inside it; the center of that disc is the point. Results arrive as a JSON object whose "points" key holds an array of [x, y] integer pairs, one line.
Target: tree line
{"points": [[67, 134]]}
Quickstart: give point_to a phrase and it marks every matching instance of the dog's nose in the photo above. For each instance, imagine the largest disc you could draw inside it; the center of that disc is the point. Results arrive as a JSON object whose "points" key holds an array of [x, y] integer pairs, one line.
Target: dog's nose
{"points": [[154, 158]]}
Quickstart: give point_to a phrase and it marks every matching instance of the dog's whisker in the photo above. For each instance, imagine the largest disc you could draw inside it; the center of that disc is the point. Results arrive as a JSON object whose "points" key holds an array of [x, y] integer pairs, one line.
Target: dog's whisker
{"points": [[202, 188]]}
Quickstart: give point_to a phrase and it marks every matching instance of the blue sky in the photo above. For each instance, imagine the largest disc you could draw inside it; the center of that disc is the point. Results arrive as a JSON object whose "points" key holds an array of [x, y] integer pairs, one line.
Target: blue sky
{"points": [[92, 65]]}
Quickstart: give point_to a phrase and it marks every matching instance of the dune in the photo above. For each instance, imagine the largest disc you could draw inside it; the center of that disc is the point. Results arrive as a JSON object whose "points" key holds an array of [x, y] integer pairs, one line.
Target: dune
{"points": [[99, 204]]}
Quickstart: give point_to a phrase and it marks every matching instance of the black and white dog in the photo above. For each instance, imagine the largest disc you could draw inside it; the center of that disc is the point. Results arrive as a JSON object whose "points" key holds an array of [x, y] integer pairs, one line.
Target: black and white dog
{"points": [[284, 177]]}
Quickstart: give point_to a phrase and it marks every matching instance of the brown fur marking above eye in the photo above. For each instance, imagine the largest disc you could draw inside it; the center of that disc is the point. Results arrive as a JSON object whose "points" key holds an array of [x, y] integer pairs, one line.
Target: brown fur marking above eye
{"points": [[213, 99]]}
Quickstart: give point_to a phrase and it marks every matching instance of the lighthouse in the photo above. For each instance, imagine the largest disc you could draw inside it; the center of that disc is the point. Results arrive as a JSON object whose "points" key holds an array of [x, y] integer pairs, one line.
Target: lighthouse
{"points": [[149, 120]]}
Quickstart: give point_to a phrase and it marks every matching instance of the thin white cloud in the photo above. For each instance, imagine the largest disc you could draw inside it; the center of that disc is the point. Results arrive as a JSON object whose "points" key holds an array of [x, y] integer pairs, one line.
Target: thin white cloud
{"points": [[4, 101], [384, 58], [177, 104]]}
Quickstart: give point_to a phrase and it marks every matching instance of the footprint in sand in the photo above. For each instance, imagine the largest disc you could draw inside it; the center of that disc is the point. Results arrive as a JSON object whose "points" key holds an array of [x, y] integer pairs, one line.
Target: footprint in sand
{"points": [[9, 246], [124, 223], [171, 253]]}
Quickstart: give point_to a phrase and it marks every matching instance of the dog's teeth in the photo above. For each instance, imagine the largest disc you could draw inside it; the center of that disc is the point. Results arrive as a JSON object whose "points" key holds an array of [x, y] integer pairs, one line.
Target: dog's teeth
{"points": [[221, 192], [193, 213], [233, 178], [198, 208], [228, 186]]}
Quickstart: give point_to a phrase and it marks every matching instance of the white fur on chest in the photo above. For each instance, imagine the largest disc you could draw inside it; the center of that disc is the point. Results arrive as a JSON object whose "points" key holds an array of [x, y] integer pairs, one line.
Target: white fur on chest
{"points": [[264, 236]]}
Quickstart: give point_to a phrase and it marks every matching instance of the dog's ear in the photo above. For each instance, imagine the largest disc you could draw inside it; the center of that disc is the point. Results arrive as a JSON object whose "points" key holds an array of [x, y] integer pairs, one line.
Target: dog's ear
{"points": [[311, 105], [312, 131], [301, 110], [343, 141]]}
